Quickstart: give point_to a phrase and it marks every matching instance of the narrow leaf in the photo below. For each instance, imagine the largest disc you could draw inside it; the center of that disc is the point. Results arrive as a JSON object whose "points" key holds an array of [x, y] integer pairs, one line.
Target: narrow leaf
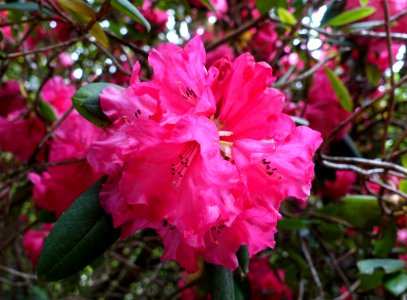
{"points": [[86, 102], [79, 236], [100, 35], [243, 258], [286, 17], [340, 90], [209, 5], [264, 6], [77, 8], [129, 9], [334, 8], [351, 16]]}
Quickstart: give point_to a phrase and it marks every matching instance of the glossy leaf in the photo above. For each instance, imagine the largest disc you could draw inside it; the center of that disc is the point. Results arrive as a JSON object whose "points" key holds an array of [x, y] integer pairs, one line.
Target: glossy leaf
{"points": [[334, 8], [46, 111], [396, 284], [221, 282], [243, 258], [368, 266], [86, 102], [129, 9], [340, 90], [79, 236], [286, 17], [351, 16]]}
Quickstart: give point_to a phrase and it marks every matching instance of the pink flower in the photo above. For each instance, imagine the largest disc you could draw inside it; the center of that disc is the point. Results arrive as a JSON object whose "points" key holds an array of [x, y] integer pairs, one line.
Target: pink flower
{"points": [[204, 157], [266, 284], [10, 98], [33, 241], [58, 94], [220, 6], [157, 18], [58, 186], [20, 133], [324, 112], [65, 59], [340, 187]]}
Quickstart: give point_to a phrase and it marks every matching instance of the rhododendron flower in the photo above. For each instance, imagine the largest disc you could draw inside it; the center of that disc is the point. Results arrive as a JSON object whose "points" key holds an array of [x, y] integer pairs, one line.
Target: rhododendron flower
{"points": [[204, 157], [324, 111], [58, 94], [20, 130], [266, 284], [340, 187], [58, 186], [33, 241]]}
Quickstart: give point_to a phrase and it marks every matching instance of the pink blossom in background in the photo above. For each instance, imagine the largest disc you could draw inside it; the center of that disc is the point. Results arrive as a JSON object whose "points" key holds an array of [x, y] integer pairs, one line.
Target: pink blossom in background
{"points": [[58, 94], [220, 6], [20, 133], [33, 241], [204, 157], [224, 50], [10, 98], [265, 283], [340, 187], [20, 130], [265, 41], [323, 111], [57, 187], [157, 18], [65, 59]]}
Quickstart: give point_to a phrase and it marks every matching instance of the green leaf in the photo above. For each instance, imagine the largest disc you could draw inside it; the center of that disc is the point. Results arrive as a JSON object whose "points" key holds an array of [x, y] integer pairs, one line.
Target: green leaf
{"points": [[403, 186], [396, 284], [286, 17], [383, 246], [373, 74], [209, 5], [221, 282], [46, 111], [404, 161], [129, 9], [333, 9], [264, 6], [243, 258], [349, 208], [369, 266], [363, 2], [99, 34], [290, 224], [86, 102], [29, 6], [340, 90], [79, 236], [351, 16], [371, 281]]}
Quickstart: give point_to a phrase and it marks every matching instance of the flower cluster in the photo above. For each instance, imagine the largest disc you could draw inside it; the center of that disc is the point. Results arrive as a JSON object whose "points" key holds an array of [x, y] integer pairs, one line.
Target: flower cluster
{"points": [[204, 157]]}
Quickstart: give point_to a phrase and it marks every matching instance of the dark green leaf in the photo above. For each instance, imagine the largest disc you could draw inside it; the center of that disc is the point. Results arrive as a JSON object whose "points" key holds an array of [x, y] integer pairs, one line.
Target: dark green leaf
{"points": [[29, 6], [86, 102], [368, 266], [334, 8], [383, 246], [46, 111], [289, 224], [129, 9], [243, 258], [79, 236], [340, 90], [371, 281], [396, 284], [349, 209], [351, 16], [264, 6], [221, 282]]}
